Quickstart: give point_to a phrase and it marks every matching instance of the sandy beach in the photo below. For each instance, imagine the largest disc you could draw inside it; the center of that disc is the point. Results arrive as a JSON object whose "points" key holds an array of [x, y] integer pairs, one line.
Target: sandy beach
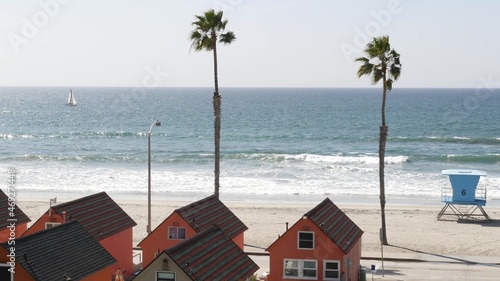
{"points": [[409, 228]]}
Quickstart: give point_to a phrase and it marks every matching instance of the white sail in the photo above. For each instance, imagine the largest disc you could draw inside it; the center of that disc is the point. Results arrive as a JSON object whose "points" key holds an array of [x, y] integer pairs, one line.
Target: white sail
{"points": [[71, 99]]}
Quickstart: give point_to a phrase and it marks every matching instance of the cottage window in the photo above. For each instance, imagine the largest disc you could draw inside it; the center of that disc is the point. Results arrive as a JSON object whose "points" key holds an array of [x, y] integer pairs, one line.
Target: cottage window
{"points": [[291, 268], [306, 240], [165, 276], [176, 233], [309, 268], [51, 224], [332, 270], [303, 269]]}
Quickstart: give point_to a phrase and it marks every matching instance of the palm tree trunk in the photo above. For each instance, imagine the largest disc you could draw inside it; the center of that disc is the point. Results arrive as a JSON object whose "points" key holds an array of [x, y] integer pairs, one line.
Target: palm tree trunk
{"points": [[381, 153], [216, 79], [217, 124], [381, 159]]}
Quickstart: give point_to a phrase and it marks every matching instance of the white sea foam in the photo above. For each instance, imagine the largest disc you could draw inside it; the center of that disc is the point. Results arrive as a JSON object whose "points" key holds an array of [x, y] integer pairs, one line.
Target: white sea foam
{"points": [[131, 180], [13, 136], [330, 159]]}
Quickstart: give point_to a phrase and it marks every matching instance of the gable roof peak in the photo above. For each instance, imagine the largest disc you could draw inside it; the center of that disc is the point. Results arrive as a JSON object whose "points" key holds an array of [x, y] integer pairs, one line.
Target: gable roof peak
{"points": [[204, 213], [335, 224], [98, 213]]}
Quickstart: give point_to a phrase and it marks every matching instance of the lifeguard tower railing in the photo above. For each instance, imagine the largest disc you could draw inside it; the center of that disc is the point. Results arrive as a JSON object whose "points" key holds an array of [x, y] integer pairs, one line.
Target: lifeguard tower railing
{"points": [[464, 199]]}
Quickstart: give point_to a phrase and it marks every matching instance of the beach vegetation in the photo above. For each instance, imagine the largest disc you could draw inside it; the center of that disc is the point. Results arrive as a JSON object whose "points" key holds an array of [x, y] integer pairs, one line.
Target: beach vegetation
{"points": [[209, 29], [382, 63]]}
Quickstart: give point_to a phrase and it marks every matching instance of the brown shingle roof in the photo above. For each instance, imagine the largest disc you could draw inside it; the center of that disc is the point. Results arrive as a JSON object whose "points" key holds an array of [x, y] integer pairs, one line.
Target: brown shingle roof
{"points": [[204, 213], [5, 212], [98, 213], [67, 249], [212, 255], [336, 224]]}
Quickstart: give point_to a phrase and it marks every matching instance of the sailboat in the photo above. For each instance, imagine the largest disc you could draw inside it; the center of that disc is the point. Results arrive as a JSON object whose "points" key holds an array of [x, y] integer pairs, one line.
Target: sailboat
{"points": [[71, 99]]}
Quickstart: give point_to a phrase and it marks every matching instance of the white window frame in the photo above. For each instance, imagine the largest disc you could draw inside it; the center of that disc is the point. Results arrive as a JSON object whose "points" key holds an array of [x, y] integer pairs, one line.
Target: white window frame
{"points": [[176, 227], [156, 275], [298, 240], [6, 265], [300, 269], [297, 268], [52, 224], [325, 270], [315, 269]]}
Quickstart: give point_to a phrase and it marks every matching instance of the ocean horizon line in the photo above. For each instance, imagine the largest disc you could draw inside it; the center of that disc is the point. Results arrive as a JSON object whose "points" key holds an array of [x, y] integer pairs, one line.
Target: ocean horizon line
{"points": [[245, 87]]}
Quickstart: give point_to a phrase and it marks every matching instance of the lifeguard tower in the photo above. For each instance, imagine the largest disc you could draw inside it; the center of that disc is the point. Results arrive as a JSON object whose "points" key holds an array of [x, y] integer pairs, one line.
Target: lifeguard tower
{"points": [[464, 197]]}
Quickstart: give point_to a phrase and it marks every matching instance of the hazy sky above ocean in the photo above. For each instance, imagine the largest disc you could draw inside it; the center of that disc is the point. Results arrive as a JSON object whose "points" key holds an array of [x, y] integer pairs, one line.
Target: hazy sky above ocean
{"points": [[293, 43]]}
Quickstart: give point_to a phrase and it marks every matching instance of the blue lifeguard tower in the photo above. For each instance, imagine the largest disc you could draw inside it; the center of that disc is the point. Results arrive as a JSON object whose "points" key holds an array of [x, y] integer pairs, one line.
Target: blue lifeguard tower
{"points": [[464, 197]]}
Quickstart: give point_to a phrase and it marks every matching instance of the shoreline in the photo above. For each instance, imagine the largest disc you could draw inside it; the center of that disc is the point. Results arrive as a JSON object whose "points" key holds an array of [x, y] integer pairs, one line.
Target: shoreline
{"points": [[300, 199], [410, 226]]}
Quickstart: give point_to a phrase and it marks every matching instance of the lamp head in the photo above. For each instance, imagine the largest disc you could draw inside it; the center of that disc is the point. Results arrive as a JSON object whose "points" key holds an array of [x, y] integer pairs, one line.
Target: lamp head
{"points": [[158, 123]]}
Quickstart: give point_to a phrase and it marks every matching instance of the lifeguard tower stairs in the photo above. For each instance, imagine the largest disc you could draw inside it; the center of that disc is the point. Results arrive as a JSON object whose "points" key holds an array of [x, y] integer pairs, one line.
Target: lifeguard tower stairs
{"points": [[464, 199]]}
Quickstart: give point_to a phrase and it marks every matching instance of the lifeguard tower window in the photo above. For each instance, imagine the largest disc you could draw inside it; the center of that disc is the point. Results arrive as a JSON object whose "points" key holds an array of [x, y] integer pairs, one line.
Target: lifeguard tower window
{"points": [[464, 197]]}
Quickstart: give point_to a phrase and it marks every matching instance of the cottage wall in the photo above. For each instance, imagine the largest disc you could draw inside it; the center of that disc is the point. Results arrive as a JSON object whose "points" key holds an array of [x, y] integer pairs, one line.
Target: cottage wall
{"points": [[6, 232], [240, 240], [158, 240], [40, 223], [286, 247], [121, 248], [355, 257]]}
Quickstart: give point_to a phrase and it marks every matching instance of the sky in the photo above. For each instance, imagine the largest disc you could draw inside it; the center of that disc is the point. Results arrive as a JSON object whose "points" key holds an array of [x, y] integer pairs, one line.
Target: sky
{"points": [[293, 43]]}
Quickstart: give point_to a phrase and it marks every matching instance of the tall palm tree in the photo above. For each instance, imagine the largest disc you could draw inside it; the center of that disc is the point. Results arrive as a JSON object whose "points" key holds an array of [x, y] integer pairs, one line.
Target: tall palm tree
{"points": [[209, 29], [382, 63]]}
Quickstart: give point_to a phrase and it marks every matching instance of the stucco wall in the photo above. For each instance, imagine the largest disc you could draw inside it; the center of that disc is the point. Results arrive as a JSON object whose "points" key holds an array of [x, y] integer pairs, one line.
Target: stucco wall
{"points": [[286, 247], [158, 240]]}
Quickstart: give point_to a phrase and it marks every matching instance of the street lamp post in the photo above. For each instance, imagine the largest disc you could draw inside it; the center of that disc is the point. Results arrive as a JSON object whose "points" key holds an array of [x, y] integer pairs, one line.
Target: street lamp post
{"points": [[156, 123]]}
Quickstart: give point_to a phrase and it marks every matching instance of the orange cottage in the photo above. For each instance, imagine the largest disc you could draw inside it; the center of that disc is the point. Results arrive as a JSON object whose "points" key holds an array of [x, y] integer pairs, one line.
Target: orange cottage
{"points": [[65, 252], [185, 222], [208, 255], [322, 245], [103, 219], [13, 222]]}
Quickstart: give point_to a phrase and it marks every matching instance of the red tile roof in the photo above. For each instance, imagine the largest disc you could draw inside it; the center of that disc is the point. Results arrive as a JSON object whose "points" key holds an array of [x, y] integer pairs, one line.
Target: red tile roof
{"points": [[336, 224], [204, 213], [98, 213], [212, 255], [6, 213]]}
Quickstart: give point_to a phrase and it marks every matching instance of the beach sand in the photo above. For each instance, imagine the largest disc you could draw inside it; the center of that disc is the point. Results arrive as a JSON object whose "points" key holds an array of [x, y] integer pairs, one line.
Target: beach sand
{"points": [[410, 229]]}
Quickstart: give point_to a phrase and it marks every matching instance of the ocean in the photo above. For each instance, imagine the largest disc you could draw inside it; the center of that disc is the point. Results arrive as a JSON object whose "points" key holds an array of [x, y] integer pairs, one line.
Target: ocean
{"points": [[275, 142]]}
